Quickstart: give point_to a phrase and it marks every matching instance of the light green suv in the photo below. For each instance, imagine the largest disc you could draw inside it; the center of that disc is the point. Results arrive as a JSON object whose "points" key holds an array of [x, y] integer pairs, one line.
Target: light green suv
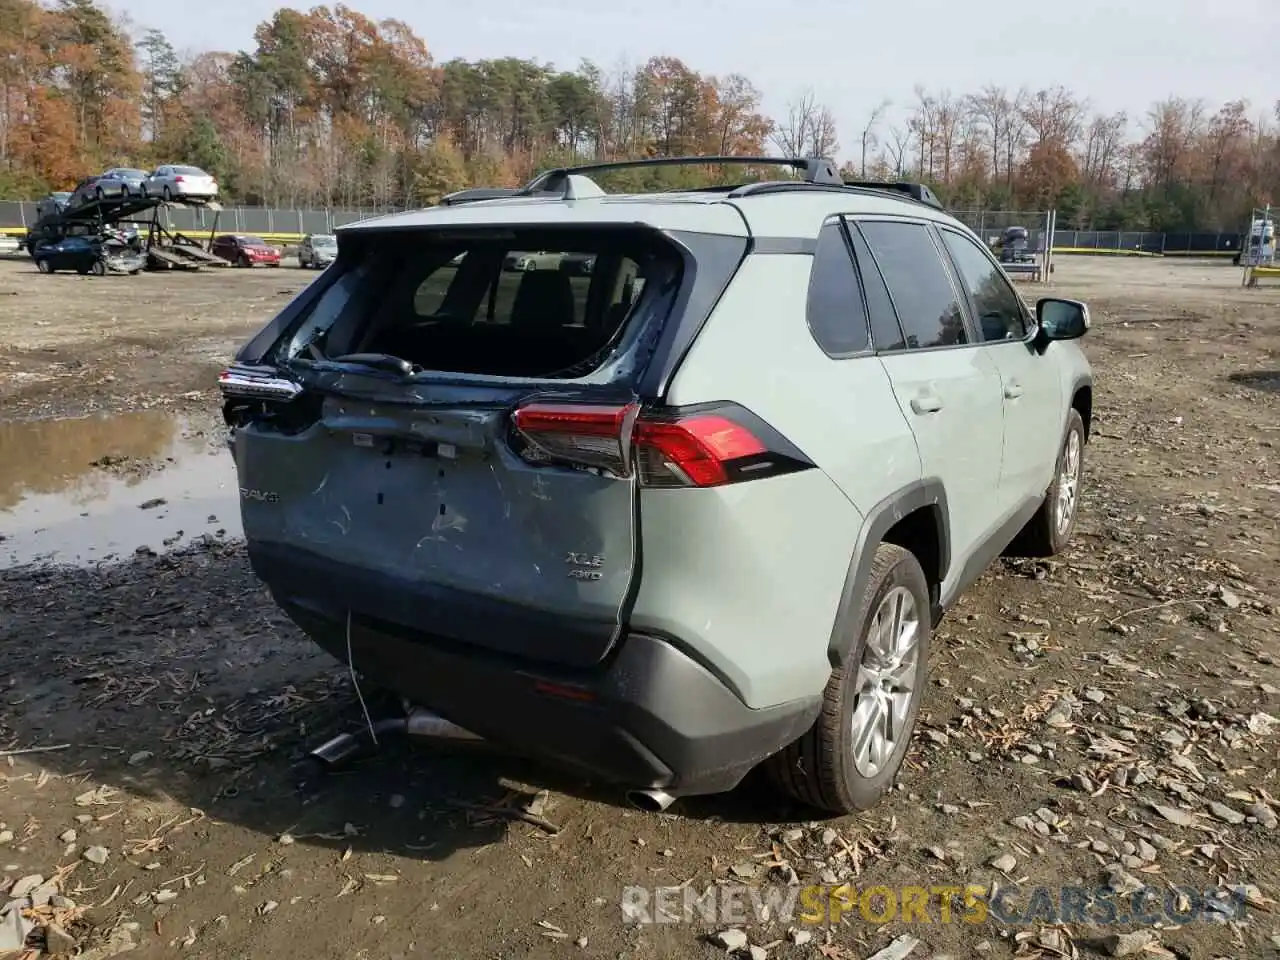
{"points": [[692, 510]]}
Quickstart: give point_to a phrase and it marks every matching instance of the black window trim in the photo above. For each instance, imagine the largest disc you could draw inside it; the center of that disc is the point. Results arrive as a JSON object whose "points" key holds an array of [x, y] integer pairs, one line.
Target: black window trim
{"points": [[849, 225], [837, 221], [961, 297], [1028, 318]]}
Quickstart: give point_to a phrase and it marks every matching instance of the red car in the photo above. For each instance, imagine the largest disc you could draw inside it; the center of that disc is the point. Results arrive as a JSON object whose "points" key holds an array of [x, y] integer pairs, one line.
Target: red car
{"points": [[244, 250]]}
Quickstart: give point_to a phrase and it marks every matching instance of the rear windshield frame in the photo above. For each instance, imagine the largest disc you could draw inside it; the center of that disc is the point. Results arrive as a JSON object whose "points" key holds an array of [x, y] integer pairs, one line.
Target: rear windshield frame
{"points": [[359, 250]]}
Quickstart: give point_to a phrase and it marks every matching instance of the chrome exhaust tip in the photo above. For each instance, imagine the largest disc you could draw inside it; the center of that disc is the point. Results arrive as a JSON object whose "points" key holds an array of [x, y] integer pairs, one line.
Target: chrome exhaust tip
{"points": [[346, 746], [650, 801], [339, 750]]}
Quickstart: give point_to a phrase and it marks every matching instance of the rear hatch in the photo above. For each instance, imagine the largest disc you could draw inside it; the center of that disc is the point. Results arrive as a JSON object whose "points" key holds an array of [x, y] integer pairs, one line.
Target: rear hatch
{"points": [[436, 433]]}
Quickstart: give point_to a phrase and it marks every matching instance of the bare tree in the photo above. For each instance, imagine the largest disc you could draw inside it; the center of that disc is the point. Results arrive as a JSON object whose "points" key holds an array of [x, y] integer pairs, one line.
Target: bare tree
{"points": [[808, 131], [993, 110], [1175, 125], [924, 124], [1015, 135], [1103, 141], [899, 144], [868, 132], [1053, 116], [949, 115]]}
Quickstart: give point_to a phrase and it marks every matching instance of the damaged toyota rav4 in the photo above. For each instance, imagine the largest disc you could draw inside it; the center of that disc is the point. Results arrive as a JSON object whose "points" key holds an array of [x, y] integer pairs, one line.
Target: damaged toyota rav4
{"points": [[692, 510]]}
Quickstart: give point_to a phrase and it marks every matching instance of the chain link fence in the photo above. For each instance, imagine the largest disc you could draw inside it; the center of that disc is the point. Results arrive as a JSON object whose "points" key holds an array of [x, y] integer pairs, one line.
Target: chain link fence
{"points": [[1041, 239], [990, 225], [284, 224]]}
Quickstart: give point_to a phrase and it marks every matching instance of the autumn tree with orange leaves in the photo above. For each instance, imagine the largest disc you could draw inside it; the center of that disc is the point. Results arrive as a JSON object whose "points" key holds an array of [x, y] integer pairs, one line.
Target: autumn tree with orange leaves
{"points": [[333, 108]]}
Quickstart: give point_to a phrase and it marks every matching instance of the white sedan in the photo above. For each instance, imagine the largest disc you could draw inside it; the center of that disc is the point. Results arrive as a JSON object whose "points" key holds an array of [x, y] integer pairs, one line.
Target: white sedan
{"points": [[173, 182]]}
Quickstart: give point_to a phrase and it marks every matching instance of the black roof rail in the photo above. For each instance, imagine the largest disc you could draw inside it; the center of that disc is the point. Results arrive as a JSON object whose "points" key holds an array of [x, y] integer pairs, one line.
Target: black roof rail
{"points": [[916, 191], [818, 170]]}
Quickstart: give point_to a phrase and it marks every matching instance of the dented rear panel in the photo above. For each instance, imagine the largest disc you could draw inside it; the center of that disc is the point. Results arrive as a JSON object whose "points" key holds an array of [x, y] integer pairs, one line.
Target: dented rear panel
{"points": [[376, 485]]}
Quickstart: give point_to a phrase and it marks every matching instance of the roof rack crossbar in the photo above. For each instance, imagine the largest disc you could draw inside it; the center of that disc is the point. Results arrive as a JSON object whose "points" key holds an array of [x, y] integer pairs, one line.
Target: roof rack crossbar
{"points": [[812, 169], [869, 189]]}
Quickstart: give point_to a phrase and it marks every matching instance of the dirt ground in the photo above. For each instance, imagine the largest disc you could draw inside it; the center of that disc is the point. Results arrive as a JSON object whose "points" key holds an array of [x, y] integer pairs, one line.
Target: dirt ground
{"points": [[1107, 720]]}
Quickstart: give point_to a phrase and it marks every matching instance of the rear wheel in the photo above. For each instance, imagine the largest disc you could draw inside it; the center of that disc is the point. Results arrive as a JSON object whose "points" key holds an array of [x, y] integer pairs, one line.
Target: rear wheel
{"points": [[44, 266], [1049, 531], [243, 261], [167, 194], [99, 269], [849, 758]]}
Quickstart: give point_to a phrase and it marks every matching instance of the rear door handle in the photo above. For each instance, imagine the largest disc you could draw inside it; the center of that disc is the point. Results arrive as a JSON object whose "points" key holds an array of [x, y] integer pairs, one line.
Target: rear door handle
{"points": [[1013, 390], [926, 403]]}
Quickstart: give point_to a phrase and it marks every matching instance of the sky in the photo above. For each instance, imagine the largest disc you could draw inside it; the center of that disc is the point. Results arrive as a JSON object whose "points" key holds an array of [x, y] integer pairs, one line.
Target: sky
{"points": [[853, 54]]}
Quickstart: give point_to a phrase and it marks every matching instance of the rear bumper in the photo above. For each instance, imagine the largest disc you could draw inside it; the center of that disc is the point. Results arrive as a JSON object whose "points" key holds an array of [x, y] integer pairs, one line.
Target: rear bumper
{"points": [[649, 717]]}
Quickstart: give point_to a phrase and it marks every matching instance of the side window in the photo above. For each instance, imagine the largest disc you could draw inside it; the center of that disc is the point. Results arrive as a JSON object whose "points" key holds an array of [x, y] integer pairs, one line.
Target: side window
{"points": [[912, 266], [886, 332], [835, 312], [997, 306]]}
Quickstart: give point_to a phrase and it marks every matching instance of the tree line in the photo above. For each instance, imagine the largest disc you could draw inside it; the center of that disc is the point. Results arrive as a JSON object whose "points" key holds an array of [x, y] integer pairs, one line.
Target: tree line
{"points": [[332, 108]]}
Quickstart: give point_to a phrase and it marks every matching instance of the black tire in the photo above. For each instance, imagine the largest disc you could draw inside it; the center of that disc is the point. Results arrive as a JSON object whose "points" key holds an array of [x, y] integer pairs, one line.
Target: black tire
{"points": [[819, 769], [167, 194], [99, 269], [1044, 536], [44, 266], [243, 261]]}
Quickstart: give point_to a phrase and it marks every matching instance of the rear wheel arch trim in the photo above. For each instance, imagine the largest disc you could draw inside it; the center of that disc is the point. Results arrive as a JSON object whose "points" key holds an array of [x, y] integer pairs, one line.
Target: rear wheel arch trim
{"points": [[928, 493]]}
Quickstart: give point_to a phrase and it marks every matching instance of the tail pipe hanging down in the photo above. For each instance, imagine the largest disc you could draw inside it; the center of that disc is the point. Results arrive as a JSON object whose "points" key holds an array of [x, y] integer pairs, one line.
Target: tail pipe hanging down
{"points": [[417, 723]]}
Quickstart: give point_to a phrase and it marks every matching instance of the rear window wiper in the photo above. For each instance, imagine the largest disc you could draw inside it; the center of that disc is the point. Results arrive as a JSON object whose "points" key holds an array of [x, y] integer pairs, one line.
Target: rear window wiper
{"points": [[379, 361]]}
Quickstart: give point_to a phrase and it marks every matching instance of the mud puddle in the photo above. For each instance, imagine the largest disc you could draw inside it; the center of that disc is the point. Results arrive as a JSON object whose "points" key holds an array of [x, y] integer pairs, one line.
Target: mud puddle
{"points": [[80, 491]]}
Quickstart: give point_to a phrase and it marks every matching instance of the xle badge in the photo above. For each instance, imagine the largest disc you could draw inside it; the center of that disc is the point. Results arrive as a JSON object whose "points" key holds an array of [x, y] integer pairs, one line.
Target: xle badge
{"points": [[585, 566]]}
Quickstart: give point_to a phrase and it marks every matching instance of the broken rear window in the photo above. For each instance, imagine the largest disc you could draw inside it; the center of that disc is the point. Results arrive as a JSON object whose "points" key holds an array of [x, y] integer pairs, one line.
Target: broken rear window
{"points": [[543, 304]]}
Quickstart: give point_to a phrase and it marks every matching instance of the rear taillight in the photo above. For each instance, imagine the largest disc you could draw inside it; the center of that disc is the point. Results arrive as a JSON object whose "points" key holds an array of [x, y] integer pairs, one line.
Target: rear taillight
{"points": [[253, 385], [178, 179], [259, 395], [703, 447]]}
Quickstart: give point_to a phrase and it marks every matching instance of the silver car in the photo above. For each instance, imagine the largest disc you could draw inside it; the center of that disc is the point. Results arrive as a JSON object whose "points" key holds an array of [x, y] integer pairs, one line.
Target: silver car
{"points": [[129, 179], [175, 182], [317, 250]]}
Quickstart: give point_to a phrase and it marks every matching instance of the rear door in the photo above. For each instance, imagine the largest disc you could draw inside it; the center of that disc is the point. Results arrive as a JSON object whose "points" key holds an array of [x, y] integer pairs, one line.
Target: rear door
{"points": [[413, 490], [948, 390]]}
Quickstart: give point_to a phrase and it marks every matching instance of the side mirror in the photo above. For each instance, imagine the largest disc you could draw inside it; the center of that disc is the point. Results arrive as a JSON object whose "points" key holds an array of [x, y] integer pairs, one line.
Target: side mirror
{"points": [[1061, 319]]}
